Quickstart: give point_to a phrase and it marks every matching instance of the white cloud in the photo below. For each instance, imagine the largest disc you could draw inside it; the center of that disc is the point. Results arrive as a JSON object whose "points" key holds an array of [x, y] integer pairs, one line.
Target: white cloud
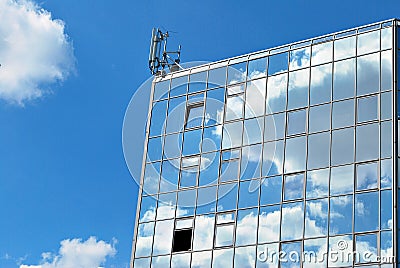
{"points": [[34, 51], [78, 254]]}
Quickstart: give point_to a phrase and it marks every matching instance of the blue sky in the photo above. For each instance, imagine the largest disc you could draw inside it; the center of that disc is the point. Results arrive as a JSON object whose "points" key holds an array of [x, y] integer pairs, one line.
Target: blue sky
{"points": [[62, 169]]}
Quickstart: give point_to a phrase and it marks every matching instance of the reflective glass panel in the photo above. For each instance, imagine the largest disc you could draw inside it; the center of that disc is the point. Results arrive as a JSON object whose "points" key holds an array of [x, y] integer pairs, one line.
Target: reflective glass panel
{"points": [[178, 86], [344, 79], [298, 88], [292, 221], [229, 170], [176, 114], [223, 258], [234, 108], [272, 158], [232, 135], [342, 146], [341, 213], [386, 210], [345, 48], [386, 105], [317, 183], [154, 149], [278, 63], [386, 173], [142, 263], [202, 237], [322, 53], [386, 139], [316, 218], [253, 131], [386, 38], [319, 118], [318, 150], [295, 154], [257, 68], [293, 259], [206, 199], [319, 248], [366, 212], [367, 243], [293, 187], [321, 84], [216, 77], [236, 73], [201, 259], [214, 107], [267, 256], [227, 197], [344, 246], [297, 121], [169, 175], [180, 260], [386, 247], [367, 176], [246, 228], [158, 117], [271, 190], [160, 262], [224, 235], [151, 178], [172, 145], [249, 193], [192, 142], [342, 180], [186, 203], [144, 239], [209, 169], [276, 93], [255, 98], [245, 257], [386, 70], [163, 237], [343, 114], [269, 223], [299, 58], [198, 82], [274, 127], [368, 42], [166, 206], [367, 109], [211, 139], [250, 166], [367, 145], [148, 209], [161, 90], [368, 74]]}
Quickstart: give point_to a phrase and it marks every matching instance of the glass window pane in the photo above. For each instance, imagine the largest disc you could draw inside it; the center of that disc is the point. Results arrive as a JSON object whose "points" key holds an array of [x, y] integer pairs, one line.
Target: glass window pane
{"points": [[195, 116], [367, 243], [163, 237], [229, 171], [386, 139], [202, 237], [151, 178], [343, 114], [322, 53], [234, 108], [292, 221], [142, 263], [246, 229], [368, 42], [345, 48], [198, 82], [297, 121], [144, 239], [245, 257], [257, 68], [293, 187], [249, 193], [342, 180], [344, 79], [336, 245], [209, 169], [386, 69], [271, 190], [255, 98], [318, 150], [386, 210], [186, 203], [170, 175], [236, 73], [366, 212], [386, 105], [269, 219], [253, 131], [295, 154], [201, 259], [276, 93], [216, 77], [272, 158], [206, 199], [180, 260], [319, 247], [250, 166], [367, 176], [192, 141], [386, 173], [148, 209], [172, 145], [223, 258], [161, 90], [232, 135], [176, 114], [320, 118], [386, 247], [211, 139], [278, 63], [386, 38], [266, 255], [158, 117], [274, 127], [317, 183], [154, 149], [321, 84], [166, 206], [367, 109], [342, 146], [160, 262], [368, 74], [227, 197], [316, 218], [341, 213], [178, 86], [367, 144], [294, 252], [224, 235], [299, 58], [214, 107], [298, 88]]}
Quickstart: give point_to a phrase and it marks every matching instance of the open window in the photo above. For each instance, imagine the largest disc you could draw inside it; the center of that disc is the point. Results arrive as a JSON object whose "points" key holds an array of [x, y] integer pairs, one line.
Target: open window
{"points": [[230, 165], [183, 235], [194, 111]]}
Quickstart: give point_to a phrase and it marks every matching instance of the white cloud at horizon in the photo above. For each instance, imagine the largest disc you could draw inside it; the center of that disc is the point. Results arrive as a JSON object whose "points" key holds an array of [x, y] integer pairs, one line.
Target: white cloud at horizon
{"points": [[35, 52], [91, 253]]}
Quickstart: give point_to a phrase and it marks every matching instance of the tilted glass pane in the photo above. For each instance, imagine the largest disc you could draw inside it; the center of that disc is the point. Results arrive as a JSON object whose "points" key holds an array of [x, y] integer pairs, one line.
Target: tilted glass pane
{"points": [[214, 107]]}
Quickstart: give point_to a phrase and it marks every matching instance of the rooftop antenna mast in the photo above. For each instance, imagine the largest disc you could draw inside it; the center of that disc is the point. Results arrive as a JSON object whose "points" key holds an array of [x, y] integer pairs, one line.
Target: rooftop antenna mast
{"points": [[158, 59]]}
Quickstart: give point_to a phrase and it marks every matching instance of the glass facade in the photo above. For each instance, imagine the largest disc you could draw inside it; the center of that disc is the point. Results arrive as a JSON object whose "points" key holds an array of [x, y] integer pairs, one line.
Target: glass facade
{"points": [[280, 158]]}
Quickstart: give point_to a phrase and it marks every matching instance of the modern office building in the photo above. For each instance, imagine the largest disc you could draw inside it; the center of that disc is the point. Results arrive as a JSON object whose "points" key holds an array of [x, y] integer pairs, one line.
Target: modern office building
{"points": [[279, 158]]}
